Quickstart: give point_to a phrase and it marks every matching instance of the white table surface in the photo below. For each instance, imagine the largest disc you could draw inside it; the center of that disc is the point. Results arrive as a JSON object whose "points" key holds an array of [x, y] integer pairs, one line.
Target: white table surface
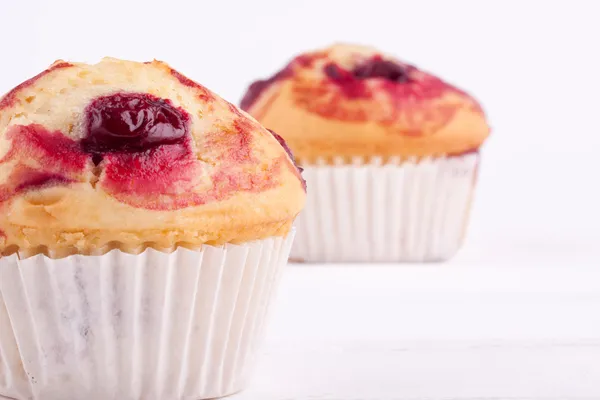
{"points": [[518, 324]]}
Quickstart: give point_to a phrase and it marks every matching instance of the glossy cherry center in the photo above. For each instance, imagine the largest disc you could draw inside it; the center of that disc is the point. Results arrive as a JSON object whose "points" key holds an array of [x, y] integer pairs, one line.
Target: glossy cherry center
{"points": [[132, 122]]}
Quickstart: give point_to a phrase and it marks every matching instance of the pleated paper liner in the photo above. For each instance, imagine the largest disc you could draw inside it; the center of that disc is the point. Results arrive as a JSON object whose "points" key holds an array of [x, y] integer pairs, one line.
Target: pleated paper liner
{"points": [[397, 211], [152, 326]]}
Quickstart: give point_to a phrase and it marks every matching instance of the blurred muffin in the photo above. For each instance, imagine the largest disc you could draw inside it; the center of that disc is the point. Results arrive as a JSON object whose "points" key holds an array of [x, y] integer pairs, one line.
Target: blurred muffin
{"points": [[390, 154], [144, 222]]}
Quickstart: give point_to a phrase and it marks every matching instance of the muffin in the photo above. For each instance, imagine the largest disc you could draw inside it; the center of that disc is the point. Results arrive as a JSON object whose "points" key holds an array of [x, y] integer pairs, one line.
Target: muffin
{"points": [[144, 222], [390, 154]]}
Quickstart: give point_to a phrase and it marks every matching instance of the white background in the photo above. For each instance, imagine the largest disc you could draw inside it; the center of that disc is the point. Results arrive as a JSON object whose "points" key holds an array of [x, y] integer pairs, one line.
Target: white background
{"points": [[517, 313]]}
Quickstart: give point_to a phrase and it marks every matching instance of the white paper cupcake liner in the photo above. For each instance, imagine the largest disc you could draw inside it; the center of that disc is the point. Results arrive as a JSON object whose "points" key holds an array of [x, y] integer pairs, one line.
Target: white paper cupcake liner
{"points": [[154, 326], [394, 212]]}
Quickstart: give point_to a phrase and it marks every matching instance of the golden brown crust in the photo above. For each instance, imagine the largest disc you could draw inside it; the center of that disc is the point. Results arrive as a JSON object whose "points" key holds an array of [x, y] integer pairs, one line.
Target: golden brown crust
{"points": [[323, 110], [230, 181]]}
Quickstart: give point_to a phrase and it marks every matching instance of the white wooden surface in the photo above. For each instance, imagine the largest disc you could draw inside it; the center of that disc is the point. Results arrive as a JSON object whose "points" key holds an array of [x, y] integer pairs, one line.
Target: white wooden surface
{"points": [[518, 324]]}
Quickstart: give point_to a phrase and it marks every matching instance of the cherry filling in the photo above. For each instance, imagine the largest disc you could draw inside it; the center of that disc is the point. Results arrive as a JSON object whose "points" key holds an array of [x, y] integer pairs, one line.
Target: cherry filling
{"points": [[291, 155], [338, 74], [131, 122], [379, 68], [283, 144], [375, 67]]}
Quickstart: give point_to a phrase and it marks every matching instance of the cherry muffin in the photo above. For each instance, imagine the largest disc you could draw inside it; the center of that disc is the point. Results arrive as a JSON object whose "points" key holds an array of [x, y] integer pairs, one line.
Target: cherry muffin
{"points": [[144, 222], [390, 154]]}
